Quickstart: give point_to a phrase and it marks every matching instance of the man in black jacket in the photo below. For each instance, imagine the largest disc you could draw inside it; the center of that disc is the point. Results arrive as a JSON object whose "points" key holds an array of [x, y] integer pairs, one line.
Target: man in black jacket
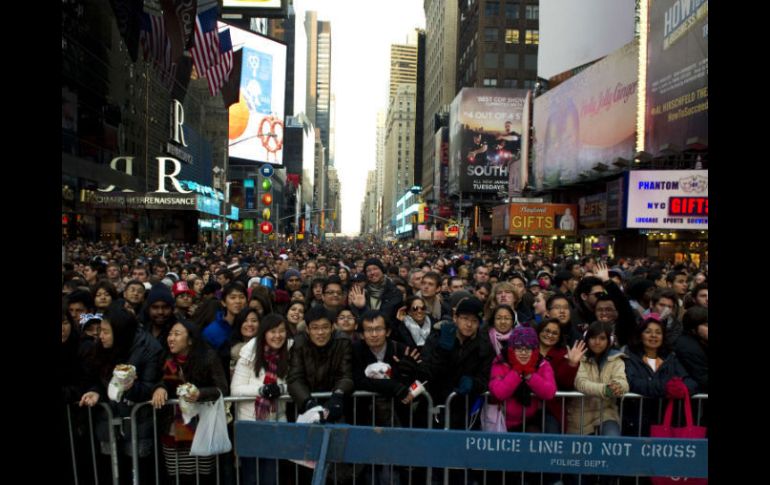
{"points": [[458, 358], [322, 363], [379, 294]]}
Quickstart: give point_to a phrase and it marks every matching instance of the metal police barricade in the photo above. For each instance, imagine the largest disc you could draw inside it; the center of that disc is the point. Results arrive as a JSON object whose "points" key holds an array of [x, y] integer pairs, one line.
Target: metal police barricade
{"points": [[469, 422], [356, 418], [112, 422], [470, 449]]}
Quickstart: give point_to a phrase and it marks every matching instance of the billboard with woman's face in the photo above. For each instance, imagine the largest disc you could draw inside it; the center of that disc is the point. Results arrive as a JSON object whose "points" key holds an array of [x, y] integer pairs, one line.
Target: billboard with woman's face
{"points": [[588, 119]]}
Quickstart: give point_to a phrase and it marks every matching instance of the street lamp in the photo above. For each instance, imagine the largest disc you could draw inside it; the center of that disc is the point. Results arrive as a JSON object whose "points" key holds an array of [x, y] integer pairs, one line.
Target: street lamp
{"points": [[219, 175]]}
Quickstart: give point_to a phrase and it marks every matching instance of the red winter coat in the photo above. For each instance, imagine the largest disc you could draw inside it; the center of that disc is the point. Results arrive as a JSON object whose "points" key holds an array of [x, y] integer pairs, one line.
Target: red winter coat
{"points": [[565, 378]]}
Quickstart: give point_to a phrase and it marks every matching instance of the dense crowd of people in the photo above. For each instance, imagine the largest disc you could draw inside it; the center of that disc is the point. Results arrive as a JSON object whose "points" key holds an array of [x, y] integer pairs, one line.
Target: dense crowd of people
{"points": [[270, 321]]}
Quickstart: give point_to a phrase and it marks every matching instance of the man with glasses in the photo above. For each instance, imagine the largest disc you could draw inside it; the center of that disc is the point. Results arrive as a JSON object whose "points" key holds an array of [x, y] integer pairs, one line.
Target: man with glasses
{"points": [[370, 358], [333, 296], [321, 363], [584, 300]]}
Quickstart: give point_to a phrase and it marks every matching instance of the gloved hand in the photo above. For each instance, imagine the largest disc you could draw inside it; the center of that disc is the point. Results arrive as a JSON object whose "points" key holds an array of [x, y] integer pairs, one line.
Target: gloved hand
{"points": [[465, 386], [676, 388], [334, 406], [447, 338], [270, 391], [310, 403]]}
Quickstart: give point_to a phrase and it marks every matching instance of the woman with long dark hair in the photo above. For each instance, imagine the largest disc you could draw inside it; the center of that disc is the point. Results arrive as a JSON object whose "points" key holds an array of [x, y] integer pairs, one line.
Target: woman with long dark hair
{"points": [[261, 373], [653, 371], [189, 361], [123, 341]]}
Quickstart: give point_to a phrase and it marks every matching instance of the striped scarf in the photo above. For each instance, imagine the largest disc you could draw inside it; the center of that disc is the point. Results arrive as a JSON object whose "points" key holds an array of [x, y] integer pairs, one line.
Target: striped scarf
{"points": [[265, 408]]}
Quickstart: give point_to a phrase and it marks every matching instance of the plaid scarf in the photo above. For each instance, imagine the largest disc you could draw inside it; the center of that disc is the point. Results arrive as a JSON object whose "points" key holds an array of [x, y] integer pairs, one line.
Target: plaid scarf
{"points": [[173, 376], [265, 408]]}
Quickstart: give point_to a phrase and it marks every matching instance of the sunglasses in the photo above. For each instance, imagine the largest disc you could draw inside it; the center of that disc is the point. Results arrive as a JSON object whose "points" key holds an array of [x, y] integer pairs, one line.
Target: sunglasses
{"points": [[418, 308]]}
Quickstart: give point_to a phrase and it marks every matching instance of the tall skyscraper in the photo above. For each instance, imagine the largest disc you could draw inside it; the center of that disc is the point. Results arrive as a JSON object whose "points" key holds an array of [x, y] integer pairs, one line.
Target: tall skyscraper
{"points": [[380, 169], [440, 74], [399, 148], [497, 44]]}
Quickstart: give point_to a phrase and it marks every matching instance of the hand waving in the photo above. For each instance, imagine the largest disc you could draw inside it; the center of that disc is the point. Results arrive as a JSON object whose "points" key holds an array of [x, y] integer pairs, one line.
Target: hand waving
{"points": [[576, 352], [602, 271], [356, 297]]}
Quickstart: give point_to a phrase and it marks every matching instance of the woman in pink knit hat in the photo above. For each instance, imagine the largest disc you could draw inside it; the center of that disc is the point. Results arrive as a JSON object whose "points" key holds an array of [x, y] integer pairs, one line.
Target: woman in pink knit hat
{"points": [[518, 373]]}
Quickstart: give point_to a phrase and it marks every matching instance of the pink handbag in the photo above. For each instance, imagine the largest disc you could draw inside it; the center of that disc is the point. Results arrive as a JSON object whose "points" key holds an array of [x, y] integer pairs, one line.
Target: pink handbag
{"points": [[493, 418], [665, 430]]}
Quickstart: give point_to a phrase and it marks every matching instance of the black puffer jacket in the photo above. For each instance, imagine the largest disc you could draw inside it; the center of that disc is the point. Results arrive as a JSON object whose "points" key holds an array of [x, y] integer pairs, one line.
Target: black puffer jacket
{"points": [[320, 369], [145, 355], [444, 369], [694, 357], [650, 384]]}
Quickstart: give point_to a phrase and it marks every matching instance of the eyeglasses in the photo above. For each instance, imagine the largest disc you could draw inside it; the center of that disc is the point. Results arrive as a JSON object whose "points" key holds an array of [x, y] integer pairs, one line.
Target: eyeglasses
{"points": [[550, 332], [320, 329], [346, 317], [560, 307], [606, 310], [333, 293], [375, 331], [522, 350], [418, 308], [597, 294]]}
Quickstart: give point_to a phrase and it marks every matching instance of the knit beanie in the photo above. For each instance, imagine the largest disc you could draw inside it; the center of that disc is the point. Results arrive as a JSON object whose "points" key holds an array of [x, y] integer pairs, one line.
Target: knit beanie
{"points": [[376, 262], [523, 337], [160, 292]]}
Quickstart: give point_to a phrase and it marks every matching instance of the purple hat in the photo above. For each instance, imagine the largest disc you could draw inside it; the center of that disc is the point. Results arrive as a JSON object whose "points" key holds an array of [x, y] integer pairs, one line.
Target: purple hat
{"points": [[524, 337]]}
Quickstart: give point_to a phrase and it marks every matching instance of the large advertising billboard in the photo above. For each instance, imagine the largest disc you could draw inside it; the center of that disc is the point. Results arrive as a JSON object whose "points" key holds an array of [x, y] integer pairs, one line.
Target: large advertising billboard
{"points": [[488, 126], [588, 119], [677, 73], [668, 199], [534, 220], [257, 119]]}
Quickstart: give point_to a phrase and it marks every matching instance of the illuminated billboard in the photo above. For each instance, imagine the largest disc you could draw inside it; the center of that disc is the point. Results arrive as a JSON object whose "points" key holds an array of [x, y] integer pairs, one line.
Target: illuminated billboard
{"points": [[677, 74], [257, 119], [486, 140], [668, 199], [586, 120]]}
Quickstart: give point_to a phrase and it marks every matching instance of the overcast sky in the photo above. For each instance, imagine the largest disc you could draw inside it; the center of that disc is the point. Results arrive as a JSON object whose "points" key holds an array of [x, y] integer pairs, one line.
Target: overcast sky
{"points": [[362, 32]]}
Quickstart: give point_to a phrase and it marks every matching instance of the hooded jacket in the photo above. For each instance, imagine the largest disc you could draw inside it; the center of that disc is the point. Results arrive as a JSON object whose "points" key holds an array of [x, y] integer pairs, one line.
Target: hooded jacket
{"points": [[591, 380]]}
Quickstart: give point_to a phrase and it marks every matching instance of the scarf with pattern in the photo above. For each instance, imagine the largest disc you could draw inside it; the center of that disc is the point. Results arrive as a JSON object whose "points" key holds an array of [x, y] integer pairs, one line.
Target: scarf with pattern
{"points": [[264, 408], [173, 376]]}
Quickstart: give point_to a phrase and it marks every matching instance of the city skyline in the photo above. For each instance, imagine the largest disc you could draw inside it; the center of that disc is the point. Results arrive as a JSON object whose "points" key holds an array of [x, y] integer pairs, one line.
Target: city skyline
{"points": [[360, 77]]}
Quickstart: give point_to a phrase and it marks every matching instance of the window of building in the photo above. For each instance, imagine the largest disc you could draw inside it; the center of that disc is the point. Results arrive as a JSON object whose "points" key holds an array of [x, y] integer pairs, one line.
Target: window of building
{"points": [[509, 83], [533, 12], [511, 10], [530, 62], [490, 34], [511, 61], [532, 37], [492, 8], [490, 60], [490, 82], [511, 36], [529, 84]]}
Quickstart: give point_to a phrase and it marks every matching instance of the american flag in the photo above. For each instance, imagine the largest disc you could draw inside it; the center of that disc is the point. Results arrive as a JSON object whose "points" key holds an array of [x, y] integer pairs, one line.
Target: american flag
{"points": [[217, 75], [205, 52], [156, 46]]}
